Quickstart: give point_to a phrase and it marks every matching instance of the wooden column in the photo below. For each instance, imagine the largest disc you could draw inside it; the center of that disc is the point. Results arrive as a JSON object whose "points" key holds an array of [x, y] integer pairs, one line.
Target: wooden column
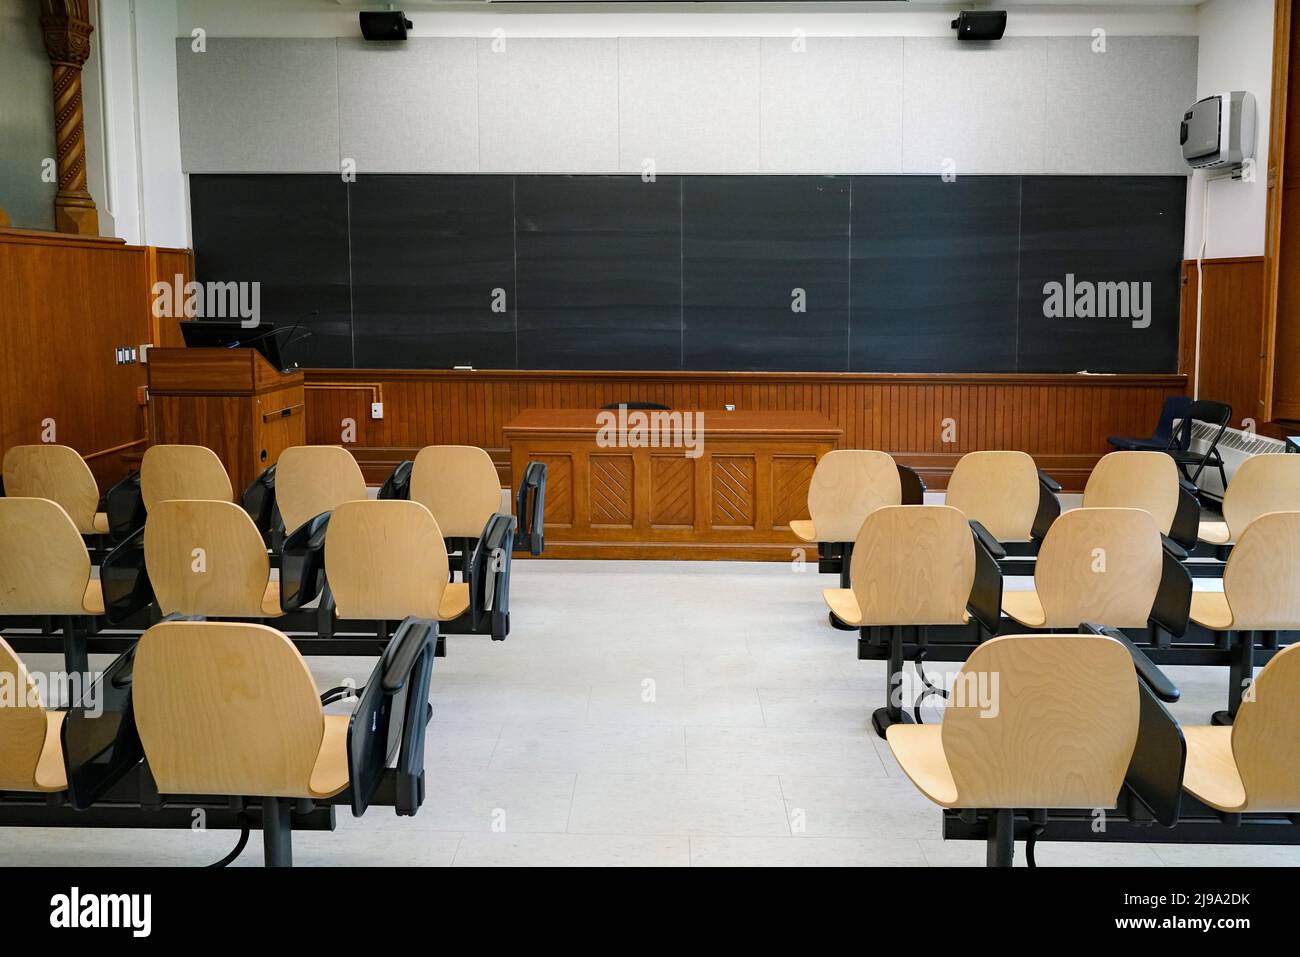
{"points": [[66, 27]]}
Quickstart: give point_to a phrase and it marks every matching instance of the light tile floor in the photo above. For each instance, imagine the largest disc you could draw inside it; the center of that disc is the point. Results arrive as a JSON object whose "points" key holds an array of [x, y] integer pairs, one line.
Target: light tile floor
{"points": [[649, 714]]}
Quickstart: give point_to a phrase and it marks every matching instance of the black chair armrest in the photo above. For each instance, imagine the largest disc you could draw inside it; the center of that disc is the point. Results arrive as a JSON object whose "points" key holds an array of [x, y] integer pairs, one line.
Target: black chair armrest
{"points": [[99, 737], [1187, 519], [258, 501], [1173, 548], [124, 505], [1173, 604], [391, 719], [985, 602], [1147, 670], [530, 506], [489, 577], [398, 483], [913, 486], [1049, 506], [302, 563], [124, 580], [985, 538]]}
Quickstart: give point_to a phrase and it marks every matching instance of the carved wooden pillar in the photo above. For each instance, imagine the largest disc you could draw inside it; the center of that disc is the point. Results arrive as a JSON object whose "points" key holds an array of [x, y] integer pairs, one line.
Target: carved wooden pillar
{"points": [[67, 29]]}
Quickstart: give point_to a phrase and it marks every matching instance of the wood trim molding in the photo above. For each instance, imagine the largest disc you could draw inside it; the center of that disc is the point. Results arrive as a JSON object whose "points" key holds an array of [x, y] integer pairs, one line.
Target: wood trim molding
{"points": [[371, 376]]}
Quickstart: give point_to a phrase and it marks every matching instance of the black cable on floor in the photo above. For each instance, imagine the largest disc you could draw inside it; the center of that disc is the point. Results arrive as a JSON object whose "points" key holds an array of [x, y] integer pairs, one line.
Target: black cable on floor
{"points": [[1035, 832], [244, 828]]}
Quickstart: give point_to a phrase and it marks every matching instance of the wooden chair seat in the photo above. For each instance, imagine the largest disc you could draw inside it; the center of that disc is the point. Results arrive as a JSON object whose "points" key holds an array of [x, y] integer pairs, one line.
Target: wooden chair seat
{"points": [[919, 751], [455, 601], [1025, 608], [100, 523], [804, 529], [51, 774], [330, 775], [1216, 533], [92, 602], [844, 605], [1211, 775], [1210, 610]]}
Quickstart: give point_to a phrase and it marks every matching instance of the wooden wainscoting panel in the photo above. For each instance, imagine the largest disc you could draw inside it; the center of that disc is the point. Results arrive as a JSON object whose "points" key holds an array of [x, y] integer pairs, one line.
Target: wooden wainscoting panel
{"points": [[1232, 334], [734, 486], [672, 491], [791, 476], [927, 420], [611, 490]]}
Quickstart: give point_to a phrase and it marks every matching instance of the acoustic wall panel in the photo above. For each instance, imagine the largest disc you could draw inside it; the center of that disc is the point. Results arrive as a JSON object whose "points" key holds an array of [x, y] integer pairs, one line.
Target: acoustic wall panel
{"points": [[548, 105], [1112, 246], [1115, 109], [259, 106], [290, 235], [433, 271], [835, 105], [409, 107], [689, 104], [599, 272], [934, 273], [693, 105], [765, 272], [981, 107]]}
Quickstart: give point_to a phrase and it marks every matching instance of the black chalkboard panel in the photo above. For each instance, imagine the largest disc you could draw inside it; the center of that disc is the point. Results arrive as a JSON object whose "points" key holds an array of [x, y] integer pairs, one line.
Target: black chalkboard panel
{"points": [[1089, 234], [766, 278], [892, 273], [289, 233], [934, 273], [433, 271], [599, 272]]}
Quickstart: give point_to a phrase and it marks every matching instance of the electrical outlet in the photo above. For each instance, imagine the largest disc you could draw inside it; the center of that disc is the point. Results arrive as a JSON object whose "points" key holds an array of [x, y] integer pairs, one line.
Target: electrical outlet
{"points": [[376, 410]]}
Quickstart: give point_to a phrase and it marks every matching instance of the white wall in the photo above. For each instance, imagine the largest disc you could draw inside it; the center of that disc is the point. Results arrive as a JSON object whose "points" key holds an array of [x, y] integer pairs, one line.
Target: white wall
{"points": [[1236, 53], [328, 18], [138, 129]]}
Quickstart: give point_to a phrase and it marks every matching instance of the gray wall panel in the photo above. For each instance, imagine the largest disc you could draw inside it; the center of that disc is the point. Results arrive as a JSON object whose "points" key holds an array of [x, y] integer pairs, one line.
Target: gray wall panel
{"points": [[982, 106], [691, 104], [836, 107], [548, 106], [409, 107], [259, 105], [1117, 112], [865, 105]]}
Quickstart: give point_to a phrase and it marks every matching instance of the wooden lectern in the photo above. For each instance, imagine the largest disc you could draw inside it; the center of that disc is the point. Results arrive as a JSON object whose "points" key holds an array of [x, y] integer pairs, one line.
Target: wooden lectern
{"points": [[231, 400]]}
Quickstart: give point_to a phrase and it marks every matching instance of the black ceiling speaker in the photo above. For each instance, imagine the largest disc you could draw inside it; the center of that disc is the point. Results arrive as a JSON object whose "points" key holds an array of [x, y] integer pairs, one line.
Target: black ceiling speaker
{"points": [[980, 24], [385, 25]]}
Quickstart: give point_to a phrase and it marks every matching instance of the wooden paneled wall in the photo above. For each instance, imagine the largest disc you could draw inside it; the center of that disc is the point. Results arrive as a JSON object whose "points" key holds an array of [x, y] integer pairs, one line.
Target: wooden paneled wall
{"points": [[68, 302], [1062, 420], [1232, 318]]}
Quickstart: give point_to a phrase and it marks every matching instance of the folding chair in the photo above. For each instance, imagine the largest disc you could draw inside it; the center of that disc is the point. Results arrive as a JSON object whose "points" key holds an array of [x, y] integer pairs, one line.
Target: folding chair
{"points": [[1175, 408], [1217, 414]]}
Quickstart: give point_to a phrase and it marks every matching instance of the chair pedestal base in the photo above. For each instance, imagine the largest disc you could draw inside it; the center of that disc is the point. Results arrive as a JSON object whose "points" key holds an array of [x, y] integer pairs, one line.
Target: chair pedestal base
{"points": [[882, 720], [1221, 719]]}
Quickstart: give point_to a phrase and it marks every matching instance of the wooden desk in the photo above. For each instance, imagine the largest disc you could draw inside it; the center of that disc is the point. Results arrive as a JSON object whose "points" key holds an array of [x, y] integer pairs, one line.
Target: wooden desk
{"points": [[728, 492], [230, 400]]}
